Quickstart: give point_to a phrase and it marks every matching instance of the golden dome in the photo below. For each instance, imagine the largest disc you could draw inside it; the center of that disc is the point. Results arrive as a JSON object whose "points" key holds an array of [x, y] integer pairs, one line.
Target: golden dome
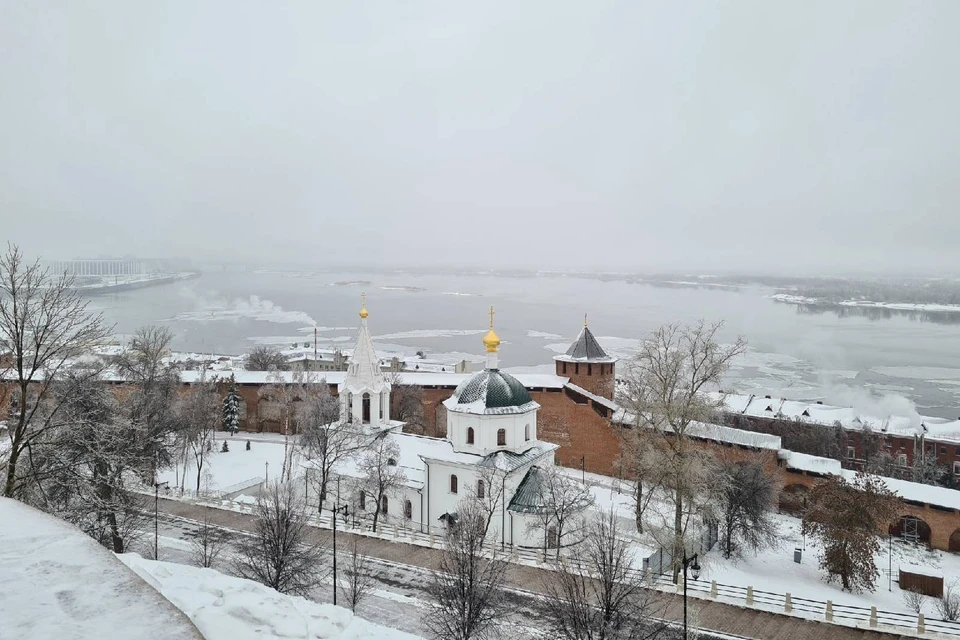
{"points": [[491, 341], [364, 313], [363, 306]]}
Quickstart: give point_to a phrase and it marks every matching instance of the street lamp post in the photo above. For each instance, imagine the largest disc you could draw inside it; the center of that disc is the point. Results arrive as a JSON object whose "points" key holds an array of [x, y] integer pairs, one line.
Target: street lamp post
{"points": [[694, 565], [333, 517], [156, 517]]}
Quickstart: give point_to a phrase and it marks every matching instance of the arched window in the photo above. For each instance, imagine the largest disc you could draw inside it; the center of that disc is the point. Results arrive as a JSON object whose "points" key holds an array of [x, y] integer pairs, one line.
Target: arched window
{"points": [[453, 483], [501, 437], [363, 500], [481, 489], [384, 504], [469, 435], [407, 509], [589, 369], [526, 432], [349, 407], [366, 408]]}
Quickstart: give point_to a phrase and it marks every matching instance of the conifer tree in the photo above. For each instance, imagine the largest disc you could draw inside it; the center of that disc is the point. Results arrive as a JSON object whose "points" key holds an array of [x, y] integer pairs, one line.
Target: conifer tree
{"points": [[231, 410]]}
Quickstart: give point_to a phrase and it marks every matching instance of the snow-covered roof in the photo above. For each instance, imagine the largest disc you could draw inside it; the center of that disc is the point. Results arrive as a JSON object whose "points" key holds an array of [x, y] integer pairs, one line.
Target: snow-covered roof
{"points": [[913, 491], [924, 493], [609, 404], [758, 406], [452, 380], [716, 433], [491, 392], [814, 464], [585, 349], [57, 582]]}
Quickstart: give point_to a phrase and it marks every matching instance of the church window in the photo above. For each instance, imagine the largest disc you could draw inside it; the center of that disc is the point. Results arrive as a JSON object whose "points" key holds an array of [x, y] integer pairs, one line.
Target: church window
{"points": [[481, 489], [589, 369], [366, 408], [349, 407], [501, 437], [564, 367], [383, 505], [576, 368], [363, 500], [453, 483], [526, 432], [469, 435], [407, 509]]}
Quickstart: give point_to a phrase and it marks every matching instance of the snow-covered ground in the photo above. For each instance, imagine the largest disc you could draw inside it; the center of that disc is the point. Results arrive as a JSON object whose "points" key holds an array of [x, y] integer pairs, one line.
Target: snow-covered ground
{"points": [[774, 570], [770, 570], [228, 608], [236, 467], [57, 583]]}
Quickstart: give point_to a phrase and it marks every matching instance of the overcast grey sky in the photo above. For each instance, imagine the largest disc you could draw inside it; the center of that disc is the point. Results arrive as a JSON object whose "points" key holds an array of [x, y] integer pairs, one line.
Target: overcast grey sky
{"points": [[634, 135]]}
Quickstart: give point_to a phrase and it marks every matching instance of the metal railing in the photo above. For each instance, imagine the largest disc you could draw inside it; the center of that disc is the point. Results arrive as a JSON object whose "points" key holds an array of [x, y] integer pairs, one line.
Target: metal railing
{"points": [[402, 530]]}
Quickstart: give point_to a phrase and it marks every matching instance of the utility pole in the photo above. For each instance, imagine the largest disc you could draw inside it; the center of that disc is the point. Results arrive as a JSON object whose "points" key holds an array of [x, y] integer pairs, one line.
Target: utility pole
{"points": [[333, 517], [695, 567], [156, 517]]}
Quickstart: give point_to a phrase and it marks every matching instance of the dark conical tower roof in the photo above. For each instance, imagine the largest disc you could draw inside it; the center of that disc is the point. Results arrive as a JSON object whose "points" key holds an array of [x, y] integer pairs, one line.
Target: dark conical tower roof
{"points": [[585, 349]]}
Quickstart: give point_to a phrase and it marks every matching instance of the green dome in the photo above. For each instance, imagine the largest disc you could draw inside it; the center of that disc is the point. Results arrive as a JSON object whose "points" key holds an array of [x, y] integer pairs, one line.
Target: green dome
{"points": [[491, 391]]}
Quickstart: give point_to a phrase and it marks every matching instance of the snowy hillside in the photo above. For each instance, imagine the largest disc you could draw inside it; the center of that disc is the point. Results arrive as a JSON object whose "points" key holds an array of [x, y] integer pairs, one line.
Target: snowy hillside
{"points": [[57, 583], [228, 608]]}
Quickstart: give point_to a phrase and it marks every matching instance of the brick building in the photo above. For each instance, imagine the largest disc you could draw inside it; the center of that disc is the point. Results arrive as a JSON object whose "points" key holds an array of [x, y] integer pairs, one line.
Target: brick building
{"points": [[846, 434]]}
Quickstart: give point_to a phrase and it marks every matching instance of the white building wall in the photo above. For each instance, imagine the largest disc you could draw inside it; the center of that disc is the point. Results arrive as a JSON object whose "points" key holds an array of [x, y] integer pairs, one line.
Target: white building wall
{"points": [[485, 428]]}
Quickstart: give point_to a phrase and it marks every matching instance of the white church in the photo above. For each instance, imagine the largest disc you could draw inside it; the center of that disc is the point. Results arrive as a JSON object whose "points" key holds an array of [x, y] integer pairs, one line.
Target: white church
{"points": [[491, 437]]}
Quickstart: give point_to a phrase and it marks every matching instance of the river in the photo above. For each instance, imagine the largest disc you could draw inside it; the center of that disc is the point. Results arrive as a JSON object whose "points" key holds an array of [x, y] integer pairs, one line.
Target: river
{"points": [[881, 362]]}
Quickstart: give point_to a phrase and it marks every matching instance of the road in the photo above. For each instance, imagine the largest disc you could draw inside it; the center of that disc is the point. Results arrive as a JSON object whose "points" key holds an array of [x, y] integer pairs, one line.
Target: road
{"points": [[400, 595]]}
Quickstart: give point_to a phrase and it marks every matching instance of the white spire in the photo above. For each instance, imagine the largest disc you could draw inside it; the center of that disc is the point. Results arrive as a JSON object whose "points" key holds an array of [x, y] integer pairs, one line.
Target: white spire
{"points": [[364, 373], [365, 392]]}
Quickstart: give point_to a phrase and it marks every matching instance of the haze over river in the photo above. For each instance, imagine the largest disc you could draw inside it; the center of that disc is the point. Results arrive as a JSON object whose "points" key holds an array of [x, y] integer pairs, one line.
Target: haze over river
{"points": [[881, 362]]}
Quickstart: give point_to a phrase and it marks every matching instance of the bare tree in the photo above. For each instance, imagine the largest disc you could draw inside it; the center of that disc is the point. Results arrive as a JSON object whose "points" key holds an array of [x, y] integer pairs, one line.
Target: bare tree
{"points": [[748, 496], [597, 594], [927, 470], [44, 323], [948, 605], [280, 554], [207, 543], [263, 358], [914, 600], [198, 411], [283, 399], [80, 469], [845, 516], [380, 472], [148, 402], [407, 404], [324, 439], [562, 501], [357, 576], [665, 390], [643, 460], [467, 596], [488, 493]]}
